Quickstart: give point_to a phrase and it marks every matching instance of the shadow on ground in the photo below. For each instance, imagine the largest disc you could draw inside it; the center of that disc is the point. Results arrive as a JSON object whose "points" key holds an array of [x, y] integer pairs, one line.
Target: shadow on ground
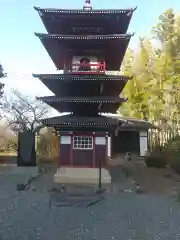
{"points": [[8, 159]]}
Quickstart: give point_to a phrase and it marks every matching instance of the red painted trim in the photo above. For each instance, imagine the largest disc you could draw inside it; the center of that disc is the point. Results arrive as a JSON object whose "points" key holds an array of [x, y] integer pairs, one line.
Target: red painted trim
{"points": [[78, 166], [98, 134], [88, 73], [70, 155], [89, 64], [59, 163], [94, 152], [66, 134], [88, 134], [101, 68]]}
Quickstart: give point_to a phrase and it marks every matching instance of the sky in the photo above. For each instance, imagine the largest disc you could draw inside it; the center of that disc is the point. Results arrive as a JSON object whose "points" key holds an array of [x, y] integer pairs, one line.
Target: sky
{"points": [[21, 52]]}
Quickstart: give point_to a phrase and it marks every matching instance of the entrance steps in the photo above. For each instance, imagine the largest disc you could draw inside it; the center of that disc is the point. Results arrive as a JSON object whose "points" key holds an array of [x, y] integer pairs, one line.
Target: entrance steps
{"points": [[68, 175]]}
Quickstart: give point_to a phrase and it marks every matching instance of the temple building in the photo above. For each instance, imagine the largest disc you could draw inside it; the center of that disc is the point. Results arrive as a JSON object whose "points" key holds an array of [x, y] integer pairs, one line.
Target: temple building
{"points": [[86, 44]]}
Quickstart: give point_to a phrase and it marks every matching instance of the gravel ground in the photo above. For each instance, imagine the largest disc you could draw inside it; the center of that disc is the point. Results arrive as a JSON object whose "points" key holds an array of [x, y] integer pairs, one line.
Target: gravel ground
{"points": [[26, 216]]}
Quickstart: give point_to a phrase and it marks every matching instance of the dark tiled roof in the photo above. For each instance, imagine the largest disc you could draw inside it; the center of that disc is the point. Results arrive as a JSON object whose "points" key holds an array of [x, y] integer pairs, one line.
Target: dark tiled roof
{"points": [[82, 37], [99, 121], [73, 121], [85, 12], [82, 99], [133, 123], [76, 77]]}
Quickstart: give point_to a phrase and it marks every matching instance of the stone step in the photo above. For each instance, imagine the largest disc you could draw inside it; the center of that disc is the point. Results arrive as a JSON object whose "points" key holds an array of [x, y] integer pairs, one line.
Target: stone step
{"points": [[77, 200], [65, 175]]}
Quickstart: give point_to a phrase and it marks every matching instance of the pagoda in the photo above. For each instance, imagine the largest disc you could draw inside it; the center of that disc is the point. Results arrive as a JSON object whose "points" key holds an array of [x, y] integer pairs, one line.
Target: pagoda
{"points": [[86, 44]]}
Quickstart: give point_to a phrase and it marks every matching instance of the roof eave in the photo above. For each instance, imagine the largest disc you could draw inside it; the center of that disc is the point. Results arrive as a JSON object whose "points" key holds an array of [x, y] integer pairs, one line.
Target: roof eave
{"points": [[75, 77], [70, 121], [76, 11], [54, 99], [43, 36]]}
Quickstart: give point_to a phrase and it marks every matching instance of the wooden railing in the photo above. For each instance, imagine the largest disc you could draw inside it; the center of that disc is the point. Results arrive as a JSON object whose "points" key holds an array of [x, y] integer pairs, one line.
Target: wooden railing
{"points": [[86, 68]]}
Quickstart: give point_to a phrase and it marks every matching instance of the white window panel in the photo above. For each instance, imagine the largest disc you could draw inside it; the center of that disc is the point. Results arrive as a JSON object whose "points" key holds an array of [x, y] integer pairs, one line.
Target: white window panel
{"points": [[83, 142], [100, 141], [143, 134], [65, 140], [143, 146]]}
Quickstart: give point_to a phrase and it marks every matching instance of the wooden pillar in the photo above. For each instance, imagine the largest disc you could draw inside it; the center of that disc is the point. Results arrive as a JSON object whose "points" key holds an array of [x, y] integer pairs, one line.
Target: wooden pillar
{"points": [[94, 150], [71, 150], [100, 149], [65, 152], [106, 161], [58, 148]]}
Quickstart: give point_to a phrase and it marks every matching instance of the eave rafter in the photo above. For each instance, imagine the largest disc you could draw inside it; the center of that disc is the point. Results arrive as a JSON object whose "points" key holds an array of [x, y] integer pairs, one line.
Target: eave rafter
{"points": [[103, 100], [82, 77], [70, 121], [84, 105], [44, 36], [85, 12]]}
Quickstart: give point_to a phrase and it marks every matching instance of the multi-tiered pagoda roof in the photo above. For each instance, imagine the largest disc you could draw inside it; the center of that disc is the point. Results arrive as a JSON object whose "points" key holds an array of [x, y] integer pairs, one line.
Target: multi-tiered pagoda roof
{"points": [[110, 47], [85, 92], [59, 21]]}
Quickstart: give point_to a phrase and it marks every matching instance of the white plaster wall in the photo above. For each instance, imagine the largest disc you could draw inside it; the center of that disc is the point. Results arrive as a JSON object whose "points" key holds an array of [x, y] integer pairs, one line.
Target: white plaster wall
{"points": [[109, 146], [100, 141], [143, 143], [65, 139]]}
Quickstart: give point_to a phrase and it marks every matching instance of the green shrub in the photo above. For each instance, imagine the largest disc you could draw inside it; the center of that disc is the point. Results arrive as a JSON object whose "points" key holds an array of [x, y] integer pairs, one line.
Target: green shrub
{"points": [[173, 153], [174, 161], [155, 161], [157, 158]]}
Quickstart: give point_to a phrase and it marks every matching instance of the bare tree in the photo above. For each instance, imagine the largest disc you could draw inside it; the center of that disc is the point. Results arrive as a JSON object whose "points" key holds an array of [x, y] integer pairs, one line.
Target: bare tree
{"points": [[24, 113]]}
